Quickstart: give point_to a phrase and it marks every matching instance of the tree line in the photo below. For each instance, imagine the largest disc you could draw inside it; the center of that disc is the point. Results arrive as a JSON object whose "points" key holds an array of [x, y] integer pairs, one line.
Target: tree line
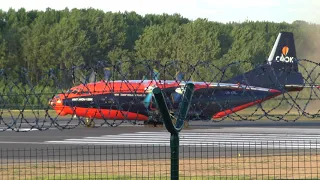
{"points": [[60, 39]]}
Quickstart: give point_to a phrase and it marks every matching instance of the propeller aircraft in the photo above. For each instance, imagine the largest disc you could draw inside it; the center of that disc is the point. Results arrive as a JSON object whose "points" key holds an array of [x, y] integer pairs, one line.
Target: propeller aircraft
{"points": [[133, 99]]}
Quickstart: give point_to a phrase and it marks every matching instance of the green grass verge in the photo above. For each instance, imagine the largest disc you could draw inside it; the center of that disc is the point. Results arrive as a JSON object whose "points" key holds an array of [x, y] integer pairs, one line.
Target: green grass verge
{"points": [[29, 114], [285, 166]]}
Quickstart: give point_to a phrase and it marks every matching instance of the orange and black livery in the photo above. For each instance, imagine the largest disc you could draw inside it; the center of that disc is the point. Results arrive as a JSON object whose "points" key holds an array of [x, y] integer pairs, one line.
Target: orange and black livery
{"points": [[133, 99]]}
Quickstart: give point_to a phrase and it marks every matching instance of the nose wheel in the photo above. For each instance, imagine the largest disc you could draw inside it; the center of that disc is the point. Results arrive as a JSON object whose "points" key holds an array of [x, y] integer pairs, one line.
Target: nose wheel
{"points": [[89, 122]]}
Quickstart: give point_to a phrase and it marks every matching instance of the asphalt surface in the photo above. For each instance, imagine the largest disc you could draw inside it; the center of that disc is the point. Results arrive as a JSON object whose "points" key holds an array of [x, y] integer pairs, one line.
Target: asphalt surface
{"points": [[200, 139]]}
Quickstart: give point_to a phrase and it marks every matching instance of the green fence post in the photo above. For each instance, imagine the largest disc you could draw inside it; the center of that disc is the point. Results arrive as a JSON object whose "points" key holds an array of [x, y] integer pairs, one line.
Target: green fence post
{"points": [[174, 129]]}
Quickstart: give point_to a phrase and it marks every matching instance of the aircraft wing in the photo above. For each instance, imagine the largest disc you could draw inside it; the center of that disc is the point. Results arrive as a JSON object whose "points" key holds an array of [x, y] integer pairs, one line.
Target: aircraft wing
{"points": [[303, 86], [202, 85], [231, 86]]}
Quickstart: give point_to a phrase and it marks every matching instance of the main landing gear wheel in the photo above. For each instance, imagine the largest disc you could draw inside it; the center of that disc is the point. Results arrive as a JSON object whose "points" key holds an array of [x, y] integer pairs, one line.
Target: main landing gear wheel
{"points": [[153, 124], [89, 122]]}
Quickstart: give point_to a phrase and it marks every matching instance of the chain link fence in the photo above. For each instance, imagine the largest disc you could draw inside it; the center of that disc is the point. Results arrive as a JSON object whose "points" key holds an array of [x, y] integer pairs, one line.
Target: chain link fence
{"points": [[29, 103], [224, 160], [122, 92]]}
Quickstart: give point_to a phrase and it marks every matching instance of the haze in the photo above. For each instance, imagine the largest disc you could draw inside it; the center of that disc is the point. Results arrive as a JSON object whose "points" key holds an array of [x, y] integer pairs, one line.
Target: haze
{"points": [[213, 10]]}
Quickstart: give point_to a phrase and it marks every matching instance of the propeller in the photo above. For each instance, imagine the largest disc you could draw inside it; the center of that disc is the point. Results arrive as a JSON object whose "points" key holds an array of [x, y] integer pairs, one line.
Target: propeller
{"points": [[176, 96], [144, 78], [179, 76], [86, 79], [155, 74], [148, 98], [92, 77], [107, 73]]}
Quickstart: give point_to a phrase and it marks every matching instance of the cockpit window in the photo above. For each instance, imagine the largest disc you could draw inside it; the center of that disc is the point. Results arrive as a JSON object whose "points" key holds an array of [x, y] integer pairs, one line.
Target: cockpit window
{"points": [[73, 91]]}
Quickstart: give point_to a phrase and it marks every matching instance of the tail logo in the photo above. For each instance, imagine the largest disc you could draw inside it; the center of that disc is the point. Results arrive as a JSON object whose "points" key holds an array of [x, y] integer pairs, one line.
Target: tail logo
{"points": [[284, 58], [285, 50]]}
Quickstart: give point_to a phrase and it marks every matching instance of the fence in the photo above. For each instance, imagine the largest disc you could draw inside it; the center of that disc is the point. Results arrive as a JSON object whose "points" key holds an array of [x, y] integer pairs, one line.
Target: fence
{"points": [[221, 160], [28, 99], [58, 89]]}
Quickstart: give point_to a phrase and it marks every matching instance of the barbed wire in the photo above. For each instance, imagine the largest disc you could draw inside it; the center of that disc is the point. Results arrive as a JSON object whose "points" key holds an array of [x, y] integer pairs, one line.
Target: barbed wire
{"points": [[111, 94]]}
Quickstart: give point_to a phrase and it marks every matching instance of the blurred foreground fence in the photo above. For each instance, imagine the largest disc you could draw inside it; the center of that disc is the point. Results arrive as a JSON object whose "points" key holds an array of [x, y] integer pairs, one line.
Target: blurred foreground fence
{"points": [[220, 160], [28, 97], [27, 100]]}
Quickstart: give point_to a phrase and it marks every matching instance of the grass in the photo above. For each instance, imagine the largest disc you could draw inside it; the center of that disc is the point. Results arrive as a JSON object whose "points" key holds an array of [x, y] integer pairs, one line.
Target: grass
{"points": [[27, 113], [239, 167], [253, 113], [116, 177]]}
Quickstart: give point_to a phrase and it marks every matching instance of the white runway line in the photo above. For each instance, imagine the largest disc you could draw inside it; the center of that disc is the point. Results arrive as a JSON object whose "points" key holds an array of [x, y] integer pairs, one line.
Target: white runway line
{"points": [[18, 129], [52, 127], [204, 138], [25, 129]]}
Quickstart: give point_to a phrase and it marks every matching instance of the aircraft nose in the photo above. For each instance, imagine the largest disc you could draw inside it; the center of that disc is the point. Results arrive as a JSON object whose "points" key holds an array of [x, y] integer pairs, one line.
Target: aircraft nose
{"points": [[52, 102], [56, 100]]}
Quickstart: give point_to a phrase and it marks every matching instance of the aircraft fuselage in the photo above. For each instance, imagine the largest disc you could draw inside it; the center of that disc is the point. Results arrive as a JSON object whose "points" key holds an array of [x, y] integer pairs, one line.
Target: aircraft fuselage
{"points": [[125, 100]]}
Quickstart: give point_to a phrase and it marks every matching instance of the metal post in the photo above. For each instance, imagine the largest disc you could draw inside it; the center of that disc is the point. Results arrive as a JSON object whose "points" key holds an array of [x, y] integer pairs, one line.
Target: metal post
{"points": [[174, 129], [174, 148]]}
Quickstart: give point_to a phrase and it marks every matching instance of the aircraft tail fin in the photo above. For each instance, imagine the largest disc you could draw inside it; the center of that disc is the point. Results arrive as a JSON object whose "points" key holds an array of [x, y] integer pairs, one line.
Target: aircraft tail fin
{"points": [[283, 54], [280, 70]]}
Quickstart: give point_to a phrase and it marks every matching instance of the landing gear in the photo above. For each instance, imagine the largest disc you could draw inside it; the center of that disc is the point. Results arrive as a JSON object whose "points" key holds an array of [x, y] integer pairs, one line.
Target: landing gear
{"points": [[89, 122], [157, 121], [153, 123]]}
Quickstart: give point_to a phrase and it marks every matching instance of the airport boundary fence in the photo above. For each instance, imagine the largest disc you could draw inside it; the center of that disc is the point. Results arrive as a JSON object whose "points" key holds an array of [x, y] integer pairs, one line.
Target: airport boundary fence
{"points": [[297, 159], [27, 101], [40, 100]]}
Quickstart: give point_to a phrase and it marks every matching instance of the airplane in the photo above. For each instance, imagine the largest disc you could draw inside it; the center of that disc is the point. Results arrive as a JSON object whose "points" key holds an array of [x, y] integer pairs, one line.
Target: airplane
{"points": [[133, 99]]}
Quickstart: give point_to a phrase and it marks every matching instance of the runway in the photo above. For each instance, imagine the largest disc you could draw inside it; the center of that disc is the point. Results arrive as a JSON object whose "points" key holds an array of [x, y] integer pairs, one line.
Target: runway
{"points": [[201, 139], [226, 137]]}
